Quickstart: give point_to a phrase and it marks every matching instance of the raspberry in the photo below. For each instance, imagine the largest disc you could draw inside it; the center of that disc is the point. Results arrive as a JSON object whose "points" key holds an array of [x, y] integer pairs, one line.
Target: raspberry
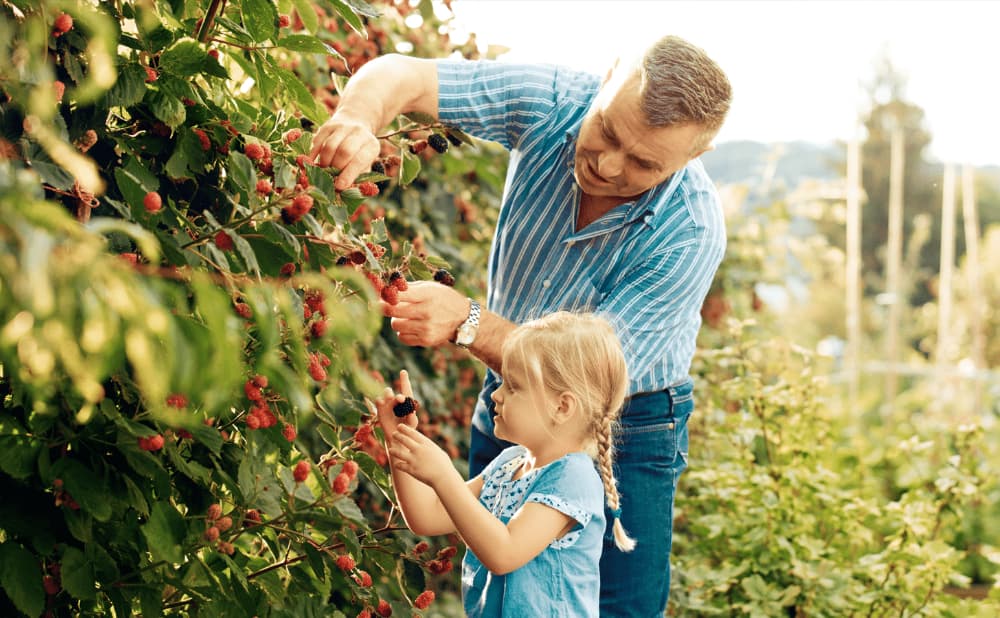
{"points": [[253, 421], [131, 258], [365, 613], [260, 381], [252, 518], [151, 75], [214, 512], [264, 187], [418, 147], [379, 168], [206, 144], [341, 483], [302, 203], [301, 472], [377, 250], [316, 370], [444, 277], [439, 567], [390, 294], [420, 548], [447, 552], [224, 523], [284, 21], [154, 443], [252, 391], [350, 468], [51, 585], [302, 160], [345, 563], [289, 432], [62, 24], [398, 281], [357, 257], [438, 143], [184, 434], [153, 203], [177, 400], [424, 599], [287, 269], [318, 328], [368, 189], [244, 311], [254, 151], [60, 89], [226, 548], [383, 608], [212, 534], [214, 53], [363, 579], [223, 241], [292, 135], [87, 140], [189, 103], [405, 407]]}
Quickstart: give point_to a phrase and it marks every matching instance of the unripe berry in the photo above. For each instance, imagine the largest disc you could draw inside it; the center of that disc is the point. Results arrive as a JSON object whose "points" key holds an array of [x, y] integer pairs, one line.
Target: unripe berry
{"points": [[60, 89], [224, 523], [350, 468], [289, 432], [153, 203], [214, 512], [368, 189], [151, 75], [342, 483], [301, 471], [212, 534], [383, 608], [62, 24], [345, 563], [264, 187], [254, 151], [424, 599]]}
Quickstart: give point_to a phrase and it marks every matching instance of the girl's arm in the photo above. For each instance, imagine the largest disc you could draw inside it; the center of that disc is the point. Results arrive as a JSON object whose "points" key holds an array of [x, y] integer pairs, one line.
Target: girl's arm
{"points": [[501, 548], [422, 510]]}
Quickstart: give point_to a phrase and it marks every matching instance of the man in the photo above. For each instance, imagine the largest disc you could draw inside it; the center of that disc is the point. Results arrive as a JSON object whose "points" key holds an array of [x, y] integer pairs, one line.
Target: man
{"points": [[606, 209]]}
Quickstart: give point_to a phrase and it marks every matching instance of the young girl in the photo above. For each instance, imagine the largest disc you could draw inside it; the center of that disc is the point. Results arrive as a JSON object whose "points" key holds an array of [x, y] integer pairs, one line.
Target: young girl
{"points": [[534, 520]]}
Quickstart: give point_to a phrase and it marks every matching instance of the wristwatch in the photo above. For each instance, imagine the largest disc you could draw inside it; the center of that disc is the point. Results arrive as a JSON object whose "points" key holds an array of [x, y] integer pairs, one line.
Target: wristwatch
{"points": [[466, 333]]}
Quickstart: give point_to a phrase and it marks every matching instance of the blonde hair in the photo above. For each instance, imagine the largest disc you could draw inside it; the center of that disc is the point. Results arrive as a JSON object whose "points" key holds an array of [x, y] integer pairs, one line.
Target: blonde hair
{"points": [[581, 354]]}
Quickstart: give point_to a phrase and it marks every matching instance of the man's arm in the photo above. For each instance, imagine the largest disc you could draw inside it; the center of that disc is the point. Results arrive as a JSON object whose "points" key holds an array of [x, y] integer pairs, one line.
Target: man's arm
{"points": [[429, 313], [381, 90]]}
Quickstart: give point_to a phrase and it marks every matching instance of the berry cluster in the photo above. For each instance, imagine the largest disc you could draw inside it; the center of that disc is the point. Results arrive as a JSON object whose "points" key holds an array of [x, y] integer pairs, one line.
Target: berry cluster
{"points": [[215, 524], [151, 444], [260, 415]]}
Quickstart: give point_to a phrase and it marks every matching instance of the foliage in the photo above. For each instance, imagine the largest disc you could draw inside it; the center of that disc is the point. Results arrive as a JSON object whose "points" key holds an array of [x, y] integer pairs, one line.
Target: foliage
{"points": [[188, 310]]}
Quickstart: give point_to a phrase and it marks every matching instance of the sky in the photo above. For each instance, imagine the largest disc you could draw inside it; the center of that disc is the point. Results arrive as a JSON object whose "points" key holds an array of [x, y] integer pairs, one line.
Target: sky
{"points": [[797, 66]]}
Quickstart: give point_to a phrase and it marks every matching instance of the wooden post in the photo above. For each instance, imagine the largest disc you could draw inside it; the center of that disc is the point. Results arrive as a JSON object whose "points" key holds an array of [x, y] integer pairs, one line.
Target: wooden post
{"points": [[852, 276], [945, 346], [894, 261], [970, 217]]}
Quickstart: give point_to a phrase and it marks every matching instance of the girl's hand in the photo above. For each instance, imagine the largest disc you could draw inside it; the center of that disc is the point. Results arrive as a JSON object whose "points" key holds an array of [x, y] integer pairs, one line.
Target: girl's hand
{"points": [[417, 455], [385, 402]]}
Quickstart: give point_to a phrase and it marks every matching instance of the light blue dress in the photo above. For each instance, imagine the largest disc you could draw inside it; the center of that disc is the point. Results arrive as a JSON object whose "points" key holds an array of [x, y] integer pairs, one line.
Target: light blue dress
{"points": [[564, 580]]}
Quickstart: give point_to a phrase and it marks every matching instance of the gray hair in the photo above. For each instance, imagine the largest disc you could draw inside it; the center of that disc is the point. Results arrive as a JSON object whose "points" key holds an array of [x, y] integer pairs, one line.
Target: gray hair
{"points": [[679, 84]]}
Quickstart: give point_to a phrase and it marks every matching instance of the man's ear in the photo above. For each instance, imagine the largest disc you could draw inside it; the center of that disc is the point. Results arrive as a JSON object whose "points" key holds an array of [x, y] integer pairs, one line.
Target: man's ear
{"points": [[703, 151]]}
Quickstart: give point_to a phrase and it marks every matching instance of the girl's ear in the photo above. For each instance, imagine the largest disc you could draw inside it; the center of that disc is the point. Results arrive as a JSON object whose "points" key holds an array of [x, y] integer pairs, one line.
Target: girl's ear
{"points": [[568, 406]]}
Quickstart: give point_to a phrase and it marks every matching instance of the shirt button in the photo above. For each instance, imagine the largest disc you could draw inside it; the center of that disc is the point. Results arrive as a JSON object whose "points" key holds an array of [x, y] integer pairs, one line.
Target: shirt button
{"points": [[546, 283]]}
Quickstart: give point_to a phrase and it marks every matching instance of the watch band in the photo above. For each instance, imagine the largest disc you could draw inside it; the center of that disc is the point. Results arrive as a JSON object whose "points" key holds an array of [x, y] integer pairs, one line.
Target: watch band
{"points": [[466, 332]]}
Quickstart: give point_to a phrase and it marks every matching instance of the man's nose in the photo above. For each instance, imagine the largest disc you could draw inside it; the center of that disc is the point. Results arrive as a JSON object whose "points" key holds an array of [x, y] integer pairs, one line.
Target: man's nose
{"points": [[610, 164]]}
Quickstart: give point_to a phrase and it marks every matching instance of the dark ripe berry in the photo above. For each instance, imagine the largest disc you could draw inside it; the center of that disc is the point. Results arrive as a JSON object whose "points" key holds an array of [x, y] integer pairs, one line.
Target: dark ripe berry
{"points": [[438, 143], [398, 281], [343, 260], [453, 138], [223, 241], [379, 168], [405, 407], [357, 257], [444, 277]]}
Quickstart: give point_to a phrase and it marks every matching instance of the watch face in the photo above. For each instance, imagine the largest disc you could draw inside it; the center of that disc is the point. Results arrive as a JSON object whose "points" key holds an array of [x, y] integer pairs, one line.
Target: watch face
{"points": [[466, 333]]}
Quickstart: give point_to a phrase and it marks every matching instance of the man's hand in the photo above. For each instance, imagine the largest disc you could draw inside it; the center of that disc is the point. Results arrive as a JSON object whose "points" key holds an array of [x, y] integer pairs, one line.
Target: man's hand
{"points": [[346, 144], [428, 314], [417, 455], [387, 419]]}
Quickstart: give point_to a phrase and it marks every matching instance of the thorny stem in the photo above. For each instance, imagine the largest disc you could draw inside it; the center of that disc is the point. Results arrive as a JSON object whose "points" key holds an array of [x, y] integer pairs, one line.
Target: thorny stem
{"points": [[214, 8]]}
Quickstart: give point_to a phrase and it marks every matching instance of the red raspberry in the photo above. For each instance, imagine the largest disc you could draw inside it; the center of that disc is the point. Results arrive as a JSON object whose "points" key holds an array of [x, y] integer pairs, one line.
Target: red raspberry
{"points": [[188, 103], [447, 552], [368, 189], [153, 203], [418, 147], [289, 432], [383, 608], [302, 203], [226, 548], [324, 360], [302, 160], [214, 512], [439, 567], [292, 135], [264, 187], [266, 416], [252, 518], [377, 250], [253, 391], [151, 75], [287, 269], [345, 563], [363, 579], [342, 483], [365, 613], [350, 468], [398, 281], [206, 144], [51, 585], [253, 421], [224, 523], [316, 368], [260, 380], [284, 21], [420, 548], [254, 151], [154, 443], [60, 89], [214, 53], [62, 24], [318, 328], [177, 400], [424, 599], [223, 241], [184, 434], [301, 472], [244, 311], [212, 534], [131, 258]]}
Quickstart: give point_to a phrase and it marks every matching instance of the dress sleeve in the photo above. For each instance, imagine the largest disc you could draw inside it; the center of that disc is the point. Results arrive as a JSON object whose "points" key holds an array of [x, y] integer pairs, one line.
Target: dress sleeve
{"points": [[573, 487]]}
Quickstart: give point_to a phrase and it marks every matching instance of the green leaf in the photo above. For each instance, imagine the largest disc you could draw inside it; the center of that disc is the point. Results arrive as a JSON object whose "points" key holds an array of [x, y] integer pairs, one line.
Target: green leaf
{"points": [[260, 18], [164, 533], [18, 451], [130, 87], [301, 96], [21, 578], [362, 8], [208, 436], [410, 168], [306, 43], [78, 575], [87, 489], [151, 602], [349, 509], [307, 13], [421, 118], [378, 230], [242, 172], [167, 108], [147, 242], [134, 184], [188, 158], [185, 58], [350, 17], [280, 235]]}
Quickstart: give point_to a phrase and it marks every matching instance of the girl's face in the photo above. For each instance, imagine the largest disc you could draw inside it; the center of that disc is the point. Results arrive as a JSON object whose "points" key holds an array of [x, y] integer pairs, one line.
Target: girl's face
{"points": [[523, 408]]}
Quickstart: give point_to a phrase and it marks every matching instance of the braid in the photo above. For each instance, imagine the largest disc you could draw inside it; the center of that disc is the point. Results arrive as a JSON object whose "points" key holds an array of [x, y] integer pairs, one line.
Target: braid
{"points": [[605, 455]]}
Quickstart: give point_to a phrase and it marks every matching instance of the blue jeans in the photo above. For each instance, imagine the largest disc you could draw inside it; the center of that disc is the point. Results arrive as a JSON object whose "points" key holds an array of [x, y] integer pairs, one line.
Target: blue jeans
{"points": [[652, 450]]}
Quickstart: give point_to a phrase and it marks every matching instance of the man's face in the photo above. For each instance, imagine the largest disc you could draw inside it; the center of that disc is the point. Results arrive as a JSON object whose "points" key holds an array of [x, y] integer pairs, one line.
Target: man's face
{"points": [[617, 153]]}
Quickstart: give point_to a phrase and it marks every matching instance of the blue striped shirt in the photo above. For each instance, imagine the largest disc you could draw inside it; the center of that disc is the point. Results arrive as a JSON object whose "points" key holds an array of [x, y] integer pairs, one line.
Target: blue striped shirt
{"points": [[646, 265]]}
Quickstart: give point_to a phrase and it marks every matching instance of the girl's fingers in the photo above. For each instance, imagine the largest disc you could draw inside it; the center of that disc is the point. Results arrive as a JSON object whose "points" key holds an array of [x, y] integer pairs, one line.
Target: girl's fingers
{"points": [[404, 384]]}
